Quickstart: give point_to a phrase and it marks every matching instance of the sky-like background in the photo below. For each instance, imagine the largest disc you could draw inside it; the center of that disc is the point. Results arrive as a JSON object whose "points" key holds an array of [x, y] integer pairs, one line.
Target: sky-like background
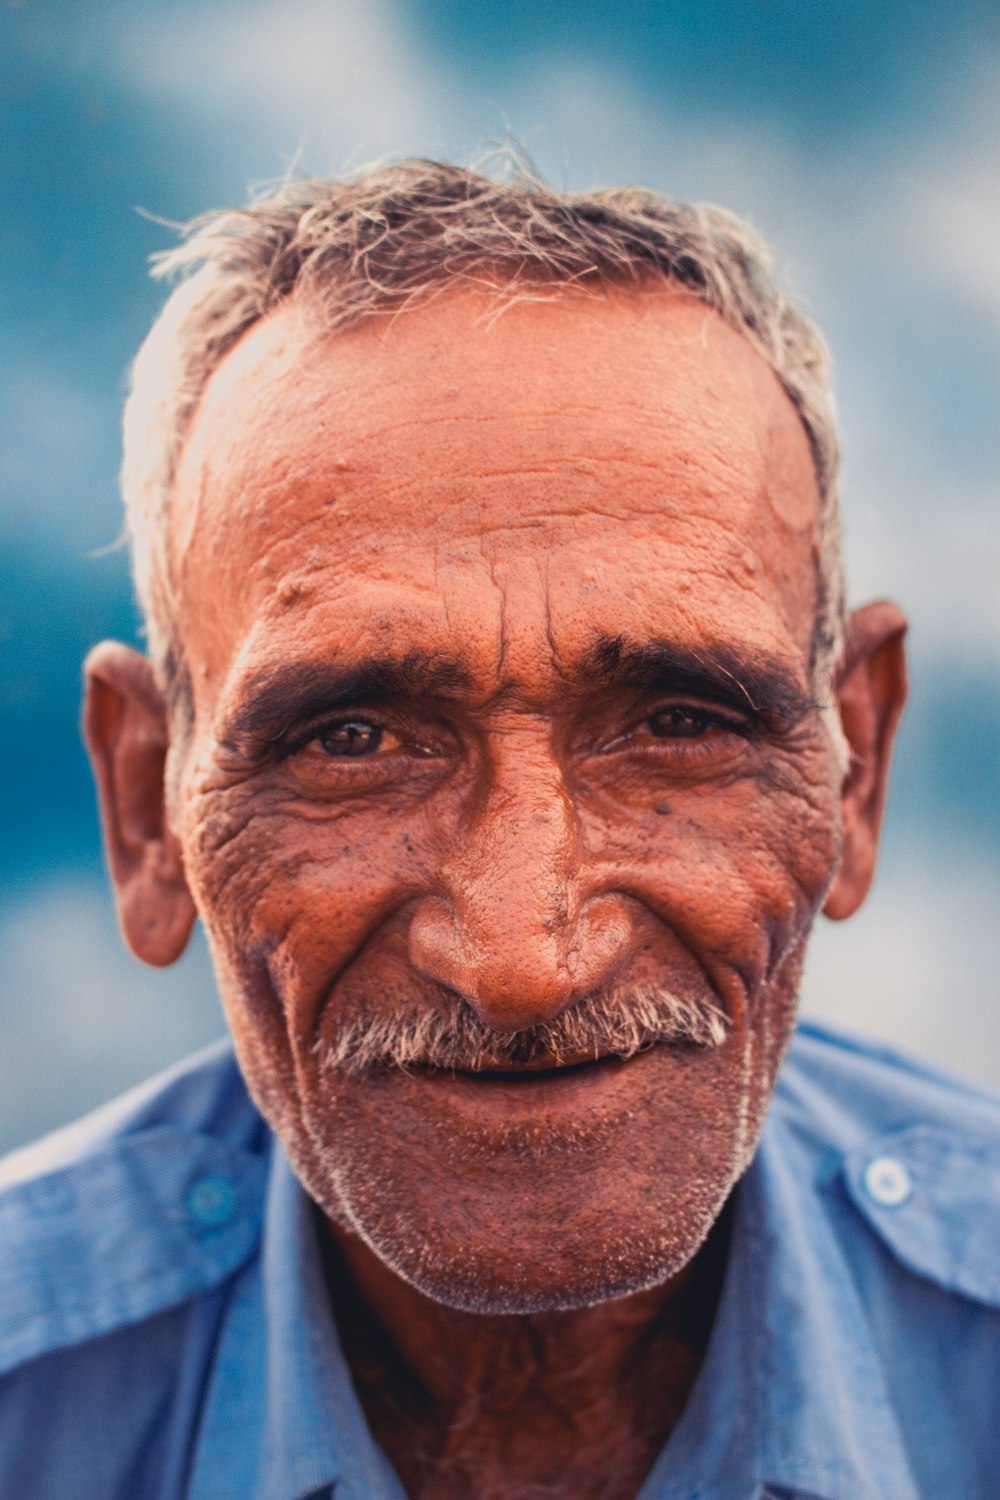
{"points": [[863, 139]]}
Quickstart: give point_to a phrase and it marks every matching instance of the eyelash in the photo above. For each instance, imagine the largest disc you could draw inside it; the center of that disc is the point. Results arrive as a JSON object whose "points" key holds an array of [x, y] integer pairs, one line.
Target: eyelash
{"points": [[713, 718], [722, 742], [293, 743]]}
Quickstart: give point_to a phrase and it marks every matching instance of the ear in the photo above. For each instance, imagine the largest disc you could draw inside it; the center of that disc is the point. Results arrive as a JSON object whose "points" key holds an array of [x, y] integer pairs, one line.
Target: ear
{"points": [[870, 691], [125, 726]]}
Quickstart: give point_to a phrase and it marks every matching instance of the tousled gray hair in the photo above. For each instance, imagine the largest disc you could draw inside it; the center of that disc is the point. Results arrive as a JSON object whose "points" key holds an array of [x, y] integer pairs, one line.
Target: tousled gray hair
{"points": [[380, 241]]}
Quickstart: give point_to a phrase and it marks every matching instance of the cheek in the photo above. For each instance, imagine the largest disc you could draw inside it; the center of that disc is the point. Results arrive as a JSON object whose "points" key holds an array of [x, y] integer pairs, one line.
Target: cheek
{"points": [[288, 895], [737, 872], [287, 901]]}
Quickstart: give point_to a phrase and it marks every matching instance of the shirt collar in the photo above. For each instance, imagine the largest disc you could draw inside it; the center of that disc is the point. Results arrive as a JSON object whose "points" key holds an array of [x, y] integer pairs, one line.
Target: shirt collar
{"points": [[790, 1399]]}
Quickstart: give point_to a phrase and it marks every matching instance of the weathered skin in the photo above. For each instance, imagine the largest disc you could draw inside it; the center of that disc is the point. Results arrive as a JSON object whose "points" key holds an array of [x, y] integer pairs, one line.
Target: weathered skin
{"points": [[504, 495]]}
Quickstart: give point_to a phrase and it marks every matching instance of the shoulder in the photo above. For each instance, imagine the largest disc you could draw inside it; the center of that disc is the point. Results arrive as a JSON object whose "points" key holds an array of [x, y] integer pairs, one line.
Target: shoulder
{"points": [[844, 1086], [149, 1202], [873, 1205], [901, 1162], [915, 1150], [203, 1093], [911, 1152]]}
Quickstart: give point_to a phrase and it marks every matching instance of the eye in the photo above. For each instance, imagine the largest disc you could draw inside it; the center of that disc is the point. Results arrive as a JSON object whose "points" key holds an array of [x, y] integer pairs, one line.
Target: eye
{"points": [[683, 721], [355, 754], [686, 735], [351, 739]]}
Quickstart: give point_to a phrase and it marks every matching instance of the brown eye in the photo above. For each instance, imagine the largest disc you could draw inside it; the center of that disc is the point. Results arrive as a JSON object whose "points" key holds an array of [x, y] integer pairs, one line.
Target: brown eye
{"points": [[680, 722], [353, 738]]}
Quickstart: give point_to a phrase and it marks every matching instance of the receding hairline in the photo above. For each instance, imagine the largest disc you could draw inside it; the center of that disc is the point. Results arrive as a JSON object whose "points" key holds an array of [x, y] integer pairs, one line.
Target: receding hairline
{"points": [[277, 358], [302, 334]]}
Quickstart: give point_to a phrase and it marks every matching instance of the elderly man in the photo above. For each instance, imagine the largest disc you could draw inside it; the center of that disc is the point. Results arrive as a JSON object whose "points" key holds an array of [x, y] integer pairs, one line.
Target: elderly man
{"points": [[503, 726]]}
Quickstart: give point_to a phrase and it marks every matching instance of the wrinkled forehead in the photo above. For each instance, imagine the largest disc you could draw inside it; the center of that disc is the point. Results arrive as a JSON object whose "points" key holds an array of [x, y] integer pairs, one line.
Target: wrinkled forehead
{"points": [[641, 433]]}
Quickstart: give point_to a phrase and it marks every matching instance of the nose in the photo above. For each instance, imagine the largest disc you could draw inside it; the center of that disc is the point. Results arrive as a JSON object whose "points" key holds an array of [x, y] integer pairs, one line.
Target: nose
{"points": [[514, 928]]}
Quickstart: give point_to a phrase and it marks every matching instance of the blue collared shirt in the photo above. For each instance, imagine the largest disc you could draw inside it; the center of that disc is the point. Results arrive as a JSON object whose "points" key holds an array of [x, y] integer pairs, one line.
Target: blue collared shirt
{"points": [[165, 1331]]}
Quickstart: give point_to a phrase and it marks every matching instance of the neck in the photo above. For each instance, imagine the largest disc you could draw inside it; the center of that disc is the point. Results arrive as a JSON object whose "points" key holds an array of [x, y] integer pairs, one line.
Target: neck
{"points": [[573, 1403]]}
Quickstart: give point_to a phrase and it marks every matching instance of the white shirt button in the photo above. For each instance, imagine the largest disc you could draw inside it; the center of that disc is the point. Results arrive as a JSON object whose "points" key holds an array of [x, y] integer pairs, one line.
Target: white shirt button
{"points": [[887, 1182]]}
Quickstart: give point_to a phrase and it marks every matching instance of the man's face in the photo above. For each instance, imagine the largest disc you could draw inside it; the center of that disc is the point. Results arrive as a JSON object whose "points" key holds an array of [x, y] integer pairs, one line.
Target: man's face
{"points": [[499, 635]]}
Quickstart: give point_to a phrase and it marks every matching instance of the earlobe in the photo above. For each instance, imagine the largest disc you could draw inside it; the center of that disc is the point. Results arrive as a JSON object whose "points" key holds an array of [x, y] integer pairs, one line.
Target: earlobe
{"points": [[870, 691], [126, 729]]}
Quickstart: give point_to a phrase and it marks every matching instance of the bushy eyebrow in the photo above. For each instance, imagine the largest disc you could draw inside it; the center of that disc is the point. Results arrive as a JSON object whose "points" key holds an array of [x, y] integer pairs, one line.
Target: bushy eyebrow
{"points": [[274, 701], [751, 681]]}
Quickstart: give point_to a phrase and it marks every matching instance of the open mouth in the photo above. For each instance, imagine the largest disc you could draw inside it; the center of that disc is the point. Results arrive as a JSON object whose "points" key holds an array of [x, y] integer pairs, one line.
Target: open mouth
{"points": [[534, 1072], [510, 1091]]}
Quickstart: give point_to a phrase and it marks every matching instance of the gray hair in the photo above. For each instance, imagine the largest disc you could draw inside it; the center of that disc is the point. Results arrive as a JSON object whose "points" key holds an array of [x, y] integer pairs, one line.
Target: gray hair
{"points": [[382, 240]]}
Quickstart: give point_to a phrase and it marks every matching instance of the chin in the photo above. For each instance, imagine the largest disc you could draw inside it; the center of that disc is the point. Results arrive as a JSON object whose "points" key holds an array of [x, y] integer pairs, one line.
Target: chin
{"points": [[534, 1284], [527, 1252]]}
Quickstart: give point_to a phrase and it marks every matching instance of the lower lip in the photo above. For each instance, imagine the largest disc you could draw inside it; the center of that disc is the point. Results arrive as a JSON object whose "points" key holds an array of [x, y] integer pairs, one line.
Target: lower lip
{"points": [[532, 1093]]}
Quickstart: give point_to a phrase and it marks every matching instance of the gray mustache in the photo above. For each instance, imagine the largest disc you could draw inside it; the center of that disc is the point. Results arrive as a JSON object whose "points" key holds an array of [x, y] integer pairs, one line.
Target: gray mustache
{"points": [[618, 1023]]}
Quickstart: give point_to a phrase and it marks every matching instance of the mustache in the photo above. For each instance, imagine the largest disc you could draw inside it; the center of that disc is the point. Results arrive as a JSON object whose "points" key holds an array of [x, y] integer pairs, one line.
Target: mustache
{"points": [[618, 1023]]}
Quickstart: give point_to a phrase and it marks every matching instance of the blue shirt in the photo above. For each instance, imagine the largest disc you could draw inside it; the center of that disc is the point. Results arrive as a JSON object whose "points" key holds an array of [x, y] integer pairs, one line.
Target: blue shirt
{"points": [[165, 1332]]}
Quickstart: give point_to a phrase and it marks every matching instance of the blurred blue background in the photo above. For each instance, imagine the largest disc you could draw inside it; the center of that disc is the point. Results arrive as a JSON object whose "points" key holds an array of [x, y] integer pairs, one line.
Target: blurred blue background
{"points": [[862, 139]]}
